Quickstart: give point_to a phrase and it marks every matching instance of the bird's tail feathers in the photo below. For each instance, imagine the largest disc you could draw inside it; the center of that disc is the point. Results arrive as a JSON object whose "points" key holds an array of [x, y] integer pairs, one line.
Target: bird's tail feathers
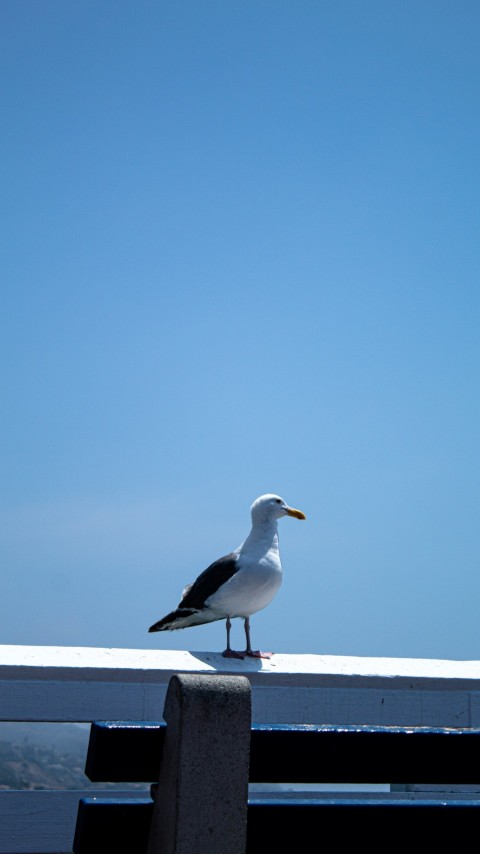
{"points": [[175, 620]]}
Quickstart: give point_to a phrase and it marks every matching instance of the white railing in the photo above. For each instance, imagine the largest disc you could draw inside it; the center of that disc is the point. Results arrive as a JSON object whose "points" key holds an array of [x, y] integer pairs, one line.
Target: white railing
{"points": [[86, 684]]}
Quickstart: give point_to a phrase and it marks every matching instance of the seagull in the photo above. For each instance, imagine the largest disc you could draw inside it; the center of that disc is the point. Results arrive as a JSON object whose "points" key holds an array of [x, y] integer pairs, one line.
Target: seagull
{"points": [[239, 584]]}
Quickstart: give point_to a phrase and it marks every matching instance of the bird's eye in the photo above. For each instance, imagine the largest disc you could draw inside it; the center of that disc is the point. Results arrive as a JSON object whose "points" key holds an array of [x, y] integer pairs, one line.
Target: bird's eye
{"points": [[278, 501]]}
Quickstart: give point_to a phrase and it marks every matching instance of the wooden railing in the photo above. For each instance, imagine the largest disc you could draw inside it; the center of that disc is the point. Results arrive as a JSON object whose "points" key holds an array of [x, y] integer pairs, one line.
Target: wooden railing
{"points": [[86, 684]]}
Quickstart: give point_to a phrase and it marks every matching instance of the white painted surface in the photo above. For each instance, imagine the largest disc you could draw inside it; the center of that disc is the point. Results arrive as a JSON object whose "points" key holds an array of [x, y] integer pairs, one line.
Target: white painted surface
{"points": [[181, 660], [85, 684]]}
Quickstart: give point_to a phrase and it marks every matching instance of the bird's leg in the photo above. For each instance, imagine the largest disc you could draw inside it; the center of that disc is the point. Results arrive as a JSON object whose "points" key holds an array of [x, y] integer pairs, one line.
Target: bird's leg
{"points": [[229, 652], [253, 653]]}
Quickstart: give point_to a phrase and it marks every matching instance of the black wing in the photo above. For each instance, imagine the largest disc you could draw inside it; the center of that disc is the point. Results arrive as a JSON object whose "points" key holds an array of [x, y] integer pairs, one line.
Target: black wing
{"points": [[209, 581]]}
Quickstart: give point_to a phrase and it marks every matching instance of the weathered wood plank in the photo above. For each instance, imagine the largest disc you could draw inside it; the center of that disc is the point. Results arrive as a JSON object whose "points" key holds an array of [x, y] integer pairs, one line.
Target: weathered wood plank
{"points": [[287, 825], [44, 822], [84, 701], [131, 752], [41, 822], [85, 684]]}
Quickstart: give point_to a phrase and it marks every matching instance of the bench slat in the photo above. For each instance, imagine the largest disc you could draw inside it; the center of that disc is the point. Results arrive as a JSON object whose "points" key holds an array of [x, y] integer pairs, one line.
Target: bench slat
{"points": [[131, 752], [104, 824], [125, 752], [283, 823], [376, 823]]}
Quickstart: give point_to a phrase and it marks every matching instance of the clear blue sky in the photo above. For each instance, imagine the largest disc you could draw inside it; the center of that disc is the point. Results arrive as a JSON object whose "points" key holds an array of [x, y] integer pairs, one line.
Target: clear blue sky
{"points": [[241, 254]]}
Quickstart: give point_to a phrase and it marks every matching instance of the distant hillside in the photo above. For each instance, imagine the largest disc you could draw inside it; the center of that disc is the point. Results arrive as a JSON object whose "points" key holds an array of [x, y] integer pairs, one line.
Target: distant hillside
{"points": [[44, 756]]}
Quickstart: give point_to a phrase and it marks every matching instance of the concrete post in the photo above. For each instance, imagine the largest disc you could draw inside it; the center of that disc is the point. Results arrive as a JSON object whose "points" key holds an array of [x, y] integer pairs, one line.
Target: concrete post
{"points": [[201, 800]]}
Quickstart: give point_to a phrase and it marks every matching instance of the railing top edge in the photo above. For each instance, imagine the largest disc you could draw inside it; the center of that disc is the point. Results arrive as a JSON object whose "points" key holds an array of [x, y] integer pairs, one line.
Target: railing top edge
{"points": [[19, 658]]}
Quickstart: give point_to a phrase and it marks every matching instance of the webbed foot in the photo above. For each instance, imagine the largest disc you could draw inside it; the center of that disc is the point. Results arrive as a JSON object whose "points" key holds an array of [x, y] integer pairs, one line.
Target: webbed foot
{"points": [[231, 653]]}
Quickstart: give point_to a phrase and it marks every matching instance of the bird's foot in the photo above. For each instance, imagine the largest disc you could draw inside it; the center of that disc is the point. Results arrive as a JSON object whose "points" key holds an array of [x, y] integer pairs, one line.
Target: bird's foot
{"points": [[231, 653], [257, 653]]}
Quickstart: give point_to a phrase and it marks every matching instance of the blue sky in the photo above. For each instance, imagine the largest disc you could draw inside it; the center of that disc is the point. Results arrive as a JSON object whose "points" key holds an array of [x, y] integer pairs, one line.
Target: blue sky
{"points": [[241, 255]]}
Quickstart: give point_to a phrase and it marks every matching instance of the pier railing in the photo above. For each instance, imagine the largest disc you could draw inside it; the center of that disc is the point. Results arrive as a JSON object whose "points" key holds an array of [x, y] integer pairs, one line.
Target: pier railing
{"points": [[70, 684]]}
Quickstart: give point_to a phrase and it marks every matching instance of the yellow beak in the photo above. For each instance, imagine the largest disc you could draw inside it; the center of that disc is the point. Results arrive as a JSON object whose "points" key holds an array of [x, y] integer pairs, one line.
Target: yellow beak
{"points": [[296, 513]]}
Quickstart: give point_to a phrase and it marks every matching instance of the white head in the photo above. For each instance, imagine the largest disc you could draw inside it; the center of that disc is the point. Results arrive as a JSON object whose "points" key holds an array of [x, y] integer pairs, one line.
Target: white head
{"points": [[270, 507]]}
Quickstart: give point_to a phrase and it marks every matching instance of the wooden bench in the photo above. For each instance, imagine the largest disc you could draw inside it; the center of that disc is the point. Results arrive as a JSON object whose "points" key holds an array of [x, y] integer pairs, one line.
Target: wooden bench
{"points": [[277, 754]]}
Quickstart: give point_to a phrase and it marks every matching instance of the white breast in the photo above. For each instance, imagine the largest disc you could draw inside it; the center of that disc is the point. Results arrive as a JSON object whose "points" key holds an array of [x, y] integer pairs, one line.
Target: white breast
{"points": [[251, 588]]}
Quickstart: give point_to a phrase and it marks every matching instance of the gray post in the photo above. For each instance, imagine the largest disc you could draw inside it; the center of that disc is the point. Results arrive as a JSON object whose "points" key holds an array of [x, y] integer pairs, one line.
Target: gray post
{"points": [[201, 800]]}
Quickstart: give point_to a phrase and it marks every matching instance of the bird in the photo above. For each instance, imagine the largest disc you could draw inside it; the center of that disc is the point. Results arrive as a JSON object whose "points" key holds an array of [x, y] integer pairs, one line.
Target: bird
{"points": [[240, 583]]}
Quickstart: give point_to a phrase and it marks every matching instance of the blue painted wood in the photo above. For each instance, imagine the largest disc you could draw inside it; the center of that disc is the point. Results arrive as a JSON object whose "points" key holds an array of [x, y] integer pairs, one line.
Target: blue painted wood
{"points": [[304, 753], [125, 752], [109, 825], [131, 752], [340, 824], [105, 825]]}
